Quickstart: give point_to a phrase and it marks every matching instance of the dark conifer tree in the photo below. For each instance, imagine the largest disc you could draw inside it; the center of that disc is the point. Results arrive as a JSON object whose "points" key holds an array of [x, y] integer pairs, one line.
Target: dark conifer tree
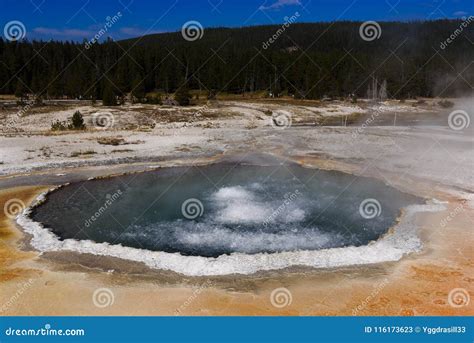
{"points": [[182, 95], [138, 89], [226, 60], [109, 98]]}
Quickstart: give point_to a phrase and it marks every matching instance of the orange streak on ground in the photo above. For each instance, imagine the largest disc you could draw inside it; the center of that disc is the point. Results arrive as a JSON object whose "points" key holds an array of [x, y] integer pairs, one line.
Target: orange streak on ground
{"points": [[31, 284]]}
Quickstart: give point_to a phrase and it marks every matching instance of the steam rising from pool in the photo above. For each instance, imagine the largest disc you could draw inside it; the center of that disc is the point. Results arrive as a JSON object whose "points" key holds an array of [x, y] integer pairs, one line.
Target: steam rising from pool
{"points": [[248, 218], [242, 220]]}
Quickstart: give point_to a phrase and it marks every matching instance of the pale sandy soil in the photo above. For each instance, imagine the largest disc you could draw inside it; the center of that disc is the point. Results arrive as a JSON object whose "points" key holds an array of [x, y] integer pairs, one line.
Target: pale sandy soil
{"points": [[152, 131], [429, 161]]}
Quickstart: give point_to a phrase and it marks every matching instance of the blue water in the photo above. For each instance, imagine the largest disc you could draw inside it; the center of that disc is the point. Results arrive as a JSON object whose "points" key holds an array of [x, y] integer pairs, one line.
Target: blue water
{"points": [[225, 208]]}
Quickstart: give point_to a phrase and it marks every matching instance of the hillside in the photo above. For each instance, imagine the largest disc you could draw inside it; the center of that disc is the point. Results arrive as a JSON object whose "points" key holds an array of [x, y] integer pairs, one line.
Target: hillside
{"points": [[308, 60]]}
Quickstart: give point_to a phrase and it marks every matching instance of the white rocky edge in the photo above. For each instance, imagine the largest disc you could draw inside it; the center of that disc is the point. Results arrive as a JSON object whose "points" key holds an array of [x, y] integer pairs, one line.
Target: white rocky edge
{"points": [[391, 247]]}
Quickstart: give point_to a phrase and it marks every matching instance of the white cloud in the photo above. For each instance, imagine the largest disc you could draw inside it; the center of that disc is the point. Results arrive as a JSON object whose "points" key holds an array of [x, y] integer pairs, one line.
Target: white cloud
{"points": [[63, 32], [460, 14], [89, 32], [279, 4], [135, 31]]}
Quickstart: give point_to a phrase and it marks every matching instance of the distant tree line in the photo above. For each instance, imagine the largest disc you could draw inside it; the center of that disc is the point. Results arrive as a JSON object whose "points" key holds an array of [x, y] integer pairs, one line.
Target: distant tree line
{"points": [[310, 60]]}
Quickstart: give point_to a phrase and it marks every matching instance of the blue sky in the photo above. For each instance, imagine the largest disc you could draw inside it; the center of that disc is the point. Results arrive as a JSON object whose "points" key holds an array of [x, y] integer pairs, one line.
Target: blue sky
{"points": [[79, 19]]}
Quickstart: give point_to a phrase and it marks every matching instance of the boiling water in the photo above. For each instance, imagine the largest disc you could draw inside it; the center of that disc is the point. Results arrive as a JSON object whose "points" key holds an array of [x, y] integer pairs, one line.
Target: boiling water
{"points": [[225, 208]]}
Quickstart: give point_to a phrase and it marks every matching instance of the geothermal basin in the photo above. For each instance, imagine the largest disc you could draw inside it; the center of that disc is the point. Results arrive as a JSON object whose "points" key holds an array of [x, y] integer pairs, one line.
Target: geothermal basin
{"points": [[223, 218]]}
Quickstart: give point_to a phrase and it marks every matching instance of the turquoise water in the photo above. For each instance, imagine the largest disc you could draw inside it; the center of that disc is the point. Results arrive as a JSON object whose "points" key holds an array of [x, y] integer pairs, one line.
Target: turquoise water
{"points": [[225, 208]]}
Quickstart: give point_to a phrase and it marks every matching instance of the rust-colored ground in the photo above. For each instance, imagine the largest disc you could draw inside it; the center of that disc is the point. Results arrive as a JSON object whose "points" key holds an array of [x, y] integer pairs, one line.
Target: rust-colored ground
{"points": [[31, 284]]}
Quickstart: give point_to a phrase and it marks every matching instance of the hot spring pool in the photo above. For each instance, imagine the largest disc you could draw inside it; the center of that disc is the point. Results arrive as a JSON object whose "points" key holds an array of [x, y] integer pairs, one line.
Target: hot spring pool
{"points": [[223, 208], [198, 220]]}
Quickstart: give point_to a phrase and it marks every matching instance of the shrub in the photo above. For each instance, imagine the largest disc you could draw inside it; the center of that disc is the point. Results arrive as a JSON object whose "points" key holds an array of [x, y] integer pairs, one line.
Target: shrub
{"points": [[182, 96], [153, 99], [446, 104], [211, 95], [111, 141], [59, 126], [77, 121], [39, 101], [82, 153]]}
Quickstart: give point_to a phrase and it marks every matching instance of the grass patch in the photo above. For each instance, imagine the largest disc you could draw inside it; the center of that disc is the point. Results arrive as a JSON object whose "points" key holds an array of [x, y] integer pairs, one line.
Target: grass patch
{"points": [[446, 104], [111, 141], [83, 153], [122, 150]]}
